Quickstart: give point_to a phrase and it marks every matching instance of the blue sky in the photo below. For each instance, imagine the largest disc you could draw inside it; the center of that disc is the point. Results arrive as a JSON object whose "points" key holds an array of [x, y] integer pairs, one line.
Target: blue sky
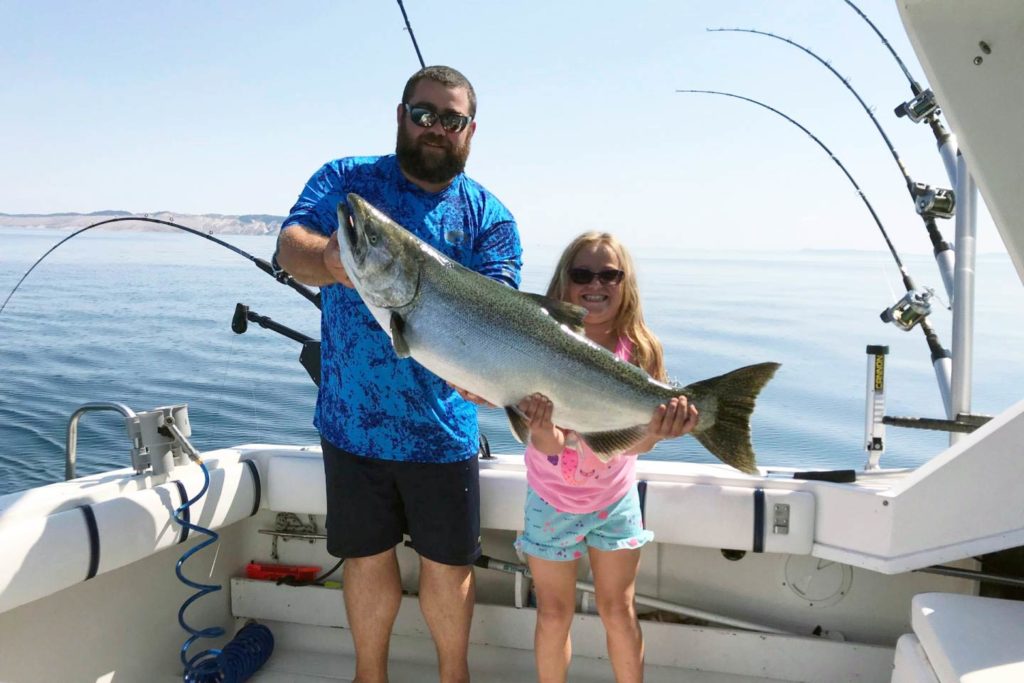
{"points": [[228, 107]]}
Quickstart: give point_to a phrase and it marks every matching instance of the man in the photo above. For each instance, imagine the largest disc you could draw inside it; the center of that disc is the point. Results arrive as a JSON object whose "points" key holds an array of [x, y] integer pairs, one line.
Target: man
{"points": [[400, 445]]}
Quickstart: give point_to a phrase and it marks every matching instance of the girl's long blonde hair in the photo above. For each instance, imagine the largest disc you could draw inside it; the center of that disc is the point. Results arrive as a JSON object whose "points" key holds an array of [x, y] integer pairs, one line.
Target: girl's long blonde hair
{"points": [[647, 350]]}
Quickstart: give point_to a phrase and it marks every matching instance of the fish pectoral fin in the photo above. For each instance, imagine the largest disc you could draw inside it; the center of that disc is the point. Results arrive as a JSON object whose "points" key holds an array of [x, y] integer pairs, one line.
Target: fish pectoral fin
{"points": [[520, 428], [398, 336], [606, 445], [562, 311]]}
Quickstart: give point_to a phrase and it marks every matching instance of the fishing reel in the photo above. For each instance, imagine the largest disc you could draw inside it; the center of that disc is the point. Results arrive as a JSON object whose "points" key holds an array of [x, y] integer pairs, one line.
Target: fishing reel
{"points": [[920, 108], [910, 310], [932, 202]]}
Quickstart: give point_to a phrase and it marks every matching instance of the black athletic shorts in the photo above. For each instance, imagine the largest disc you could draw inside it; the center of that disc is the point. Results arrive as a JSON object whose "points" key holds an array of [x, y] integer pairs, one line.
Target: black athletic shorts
{"points": [[372, 504]]}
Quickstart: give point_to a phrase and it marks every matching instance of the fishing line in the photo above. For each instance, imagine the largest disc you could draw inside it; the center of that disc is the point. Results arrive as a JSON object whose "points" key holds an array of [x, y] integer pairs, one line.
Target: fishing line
{"points": [[929, 202], [255, 416], [276, 273], [408, 27]]}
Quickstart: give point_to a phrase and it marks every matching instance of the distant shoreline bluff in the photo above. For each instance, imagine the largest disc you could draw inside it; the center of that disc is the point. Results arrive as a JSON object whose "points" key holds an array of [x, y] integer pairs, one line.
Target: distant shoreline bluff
{"points": [[255, 224]]}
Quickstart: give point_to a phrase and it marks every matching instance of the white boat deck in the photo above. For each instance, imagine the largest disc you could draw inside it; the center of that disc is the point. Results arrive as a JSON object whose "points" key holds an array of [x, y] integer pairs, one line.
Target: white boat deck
{"points": [[413, 661], [312, 643]]}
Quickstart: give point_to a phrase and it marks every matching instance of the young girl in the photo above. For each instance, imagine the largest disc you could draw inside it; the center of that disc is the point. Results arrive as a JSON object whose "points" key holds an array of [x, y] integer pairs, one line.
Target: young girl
{"points": [[575, 502]]}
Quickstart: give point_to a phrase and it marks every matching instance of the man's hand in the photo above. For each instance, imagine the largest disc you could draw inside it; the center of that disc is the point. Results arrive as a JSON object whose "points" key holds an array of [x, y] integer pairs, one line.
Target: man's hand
{"points": [[332, 261], [311, 257]]}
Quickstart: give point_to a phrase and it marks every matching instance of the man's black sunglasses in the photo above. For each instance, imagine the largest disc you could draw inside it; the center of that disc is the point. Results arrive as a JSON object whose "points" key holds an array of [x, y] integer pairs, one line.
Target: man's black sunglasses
{"points": [[426, 117], [584, 276]]}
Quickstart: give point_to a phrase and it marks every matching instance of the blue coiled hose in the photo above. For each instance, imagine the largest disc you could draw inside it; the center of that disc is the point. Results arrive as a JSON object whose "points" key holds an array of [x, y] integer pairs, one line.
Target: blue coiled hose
{"points": [[247, 652], [251, 646]]}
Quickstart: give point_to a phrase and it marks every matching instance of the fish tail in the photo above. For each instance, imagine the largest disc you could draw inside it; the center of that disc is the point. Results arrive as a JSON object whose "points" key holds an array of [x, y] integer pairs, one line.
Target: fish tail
{"points": [[728, 438]]}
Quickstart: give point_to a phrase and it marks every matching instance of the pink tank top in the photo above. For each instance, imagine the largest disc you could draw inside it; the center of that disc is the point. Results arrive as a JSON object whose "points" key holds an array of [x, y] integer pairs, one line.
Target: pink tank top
{"points": [[576, 480]]}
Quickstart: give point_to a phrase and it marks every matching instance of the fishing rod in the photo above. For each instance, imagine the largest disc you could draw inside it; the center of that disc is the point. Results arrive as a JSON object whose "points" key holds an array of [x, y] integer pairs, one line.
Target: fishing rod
{"points": [[914, 85], [412, 35], [911, 310], [930, 203], [922, 107], [275, 272]]}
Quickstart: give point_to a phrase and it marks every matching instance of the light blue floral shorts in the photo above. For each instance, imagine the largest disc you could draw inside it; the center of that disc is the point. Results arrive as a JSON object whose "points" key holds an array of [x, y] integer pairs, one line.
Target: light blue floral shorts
{"points": [[553, 535]]}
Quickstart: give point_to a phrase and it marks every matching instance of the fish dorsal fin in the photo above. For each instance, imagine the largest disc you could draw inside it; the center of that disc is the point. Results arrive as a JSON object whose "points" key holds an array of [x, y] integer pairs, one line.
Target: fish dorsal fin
{"points": [[606, 445], [520, 429], [398, 336], [562, 311]]}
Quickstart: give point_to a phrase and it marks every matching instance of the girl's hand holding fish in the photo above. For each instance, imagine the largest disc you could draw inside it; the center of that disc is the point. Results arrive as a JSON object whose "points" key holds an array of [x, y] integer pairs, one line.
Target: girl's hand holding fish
{"points": [[670, 420], [544, 435]]}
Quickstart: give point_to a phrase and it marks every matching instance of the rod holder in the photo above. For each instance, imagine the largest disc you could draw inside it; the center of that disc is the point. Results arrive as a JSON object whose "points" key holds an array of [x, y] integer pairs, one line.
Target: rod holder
{"points": [[154, 445]]}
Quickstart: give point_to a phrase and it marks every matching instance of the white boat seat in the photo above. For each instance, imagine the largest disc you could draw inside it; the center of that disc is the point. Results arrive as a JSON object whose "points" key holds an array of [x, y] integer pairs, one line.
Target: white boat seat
{"points": [[962, 639], [683, 513]]}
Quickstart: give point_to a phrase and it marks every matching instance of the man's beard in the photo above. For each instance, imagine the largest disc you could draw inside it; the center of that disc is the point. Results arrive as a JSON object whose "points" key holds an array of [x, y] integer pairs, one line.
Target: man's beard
{"points": [[431, 166]]}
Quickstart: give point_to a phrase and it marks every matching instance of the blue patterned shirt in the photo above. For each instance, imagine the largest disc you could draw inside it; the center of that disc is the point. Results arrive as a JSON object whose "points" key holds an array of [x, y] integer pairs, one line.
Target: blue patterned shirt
{"points": [[372, 403]]}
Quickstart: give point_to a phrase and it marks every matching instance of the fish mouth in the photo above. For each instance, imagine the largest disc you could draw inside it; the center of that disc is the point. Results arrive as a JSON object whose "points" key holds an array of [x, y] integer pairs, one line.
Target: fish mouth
{"points": [[351, 231], [380, 256]]}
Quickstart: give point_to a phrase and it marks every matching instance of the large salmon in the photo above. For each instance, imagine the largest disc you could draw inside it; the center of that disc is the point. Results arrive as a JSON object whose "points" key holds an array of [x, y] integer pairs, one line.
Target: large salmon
{"points": [[503, 345]]}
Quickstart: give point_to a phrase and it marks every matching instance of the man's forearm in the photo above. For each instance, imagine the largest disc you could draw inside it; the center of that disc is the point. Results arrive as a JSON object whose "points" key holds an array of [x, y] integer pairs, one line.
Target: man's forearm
{"points": [[300, 251]]}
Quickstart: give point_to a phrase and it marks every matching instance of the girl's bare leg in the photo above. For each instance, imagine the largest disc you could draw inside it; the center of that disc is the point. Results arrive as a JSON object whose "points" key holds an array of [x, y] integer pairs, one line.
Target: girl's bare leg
{"points": [[555, 587], [615, 582]]}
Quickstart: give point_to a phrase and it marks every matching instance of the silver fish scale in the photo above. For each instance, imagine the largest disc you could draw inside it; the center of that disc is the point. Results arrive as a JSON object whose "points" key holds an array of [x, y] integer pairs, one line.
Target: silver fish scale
{"points": [[496, 342]]}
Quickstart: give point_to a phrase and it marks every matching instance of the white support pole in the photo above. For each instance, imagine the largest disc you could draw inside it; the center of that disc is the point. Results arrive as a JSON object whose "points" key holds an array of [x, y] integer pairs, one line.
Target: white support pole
{"points": [[963, 295]]}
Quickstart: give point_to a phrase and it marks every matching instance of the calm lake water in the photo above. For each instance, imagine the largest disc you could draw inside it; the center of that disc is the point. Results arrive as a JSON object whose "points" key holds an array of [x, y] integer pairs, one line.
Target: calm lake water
{"points": [[144, 319]]}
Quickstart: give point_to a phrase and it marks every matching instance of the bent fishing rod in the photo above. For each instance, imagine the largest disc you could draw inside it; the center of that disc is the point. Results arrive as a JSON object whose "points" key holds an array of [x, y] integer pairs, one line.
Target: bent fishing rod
{"points": [[930, 203], [860, 193], [915, 87], [914, 307], [277, 273], [922, 108]]}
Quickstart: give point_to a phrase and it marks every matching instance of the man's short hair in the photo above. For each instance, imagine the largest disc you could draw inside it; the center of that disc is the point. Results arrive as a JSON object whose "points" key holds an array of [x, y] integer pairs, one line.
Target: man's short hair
{"points": [[446, 76]]}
